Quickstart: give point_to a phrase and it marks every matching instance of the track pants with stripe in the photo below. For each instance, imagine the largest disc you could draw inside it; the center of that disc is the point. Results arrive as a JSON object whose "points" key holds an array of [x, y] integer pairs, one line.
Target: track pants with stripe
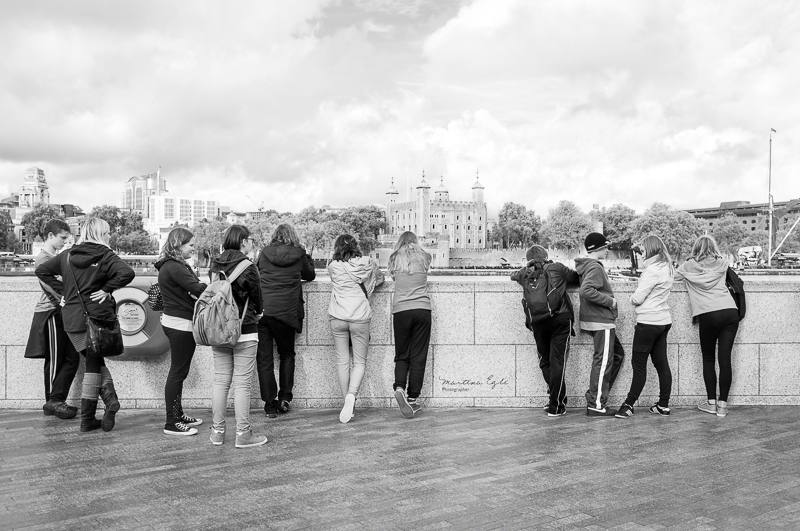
{"points": [[606, 363], [61, 360], [552, 344]]}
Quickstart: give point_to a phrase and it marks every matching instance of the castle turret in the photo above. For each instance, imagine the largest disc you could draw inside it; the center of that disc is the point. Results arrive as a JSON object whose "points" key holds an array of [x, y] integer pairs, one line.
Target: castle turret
{"points": [[423, 221], [477, 190], [441, 193]]}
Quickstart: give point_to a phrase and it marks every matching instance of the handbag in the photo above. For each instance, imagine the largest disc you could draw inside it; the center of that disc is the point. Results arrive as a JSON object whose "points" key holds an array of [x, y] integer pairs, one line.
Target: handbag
{"points": [[154, 298], [103, 336]]}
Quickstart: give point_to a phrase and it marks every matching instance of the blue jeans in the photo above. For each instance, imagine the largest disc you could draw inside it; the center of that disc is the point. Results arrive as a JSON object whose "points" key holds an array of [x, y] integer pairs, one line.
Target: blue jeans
{"points": [[233, 365]]}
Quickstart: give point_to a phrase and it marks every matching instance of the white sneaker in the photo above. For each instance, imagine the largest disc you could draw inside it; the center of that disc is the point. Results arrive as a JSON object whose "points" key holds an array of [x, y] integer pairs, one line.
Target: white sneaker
{"points": [[347, 409], [722, 408], [402, 401], [708, 407], [248, 439]]}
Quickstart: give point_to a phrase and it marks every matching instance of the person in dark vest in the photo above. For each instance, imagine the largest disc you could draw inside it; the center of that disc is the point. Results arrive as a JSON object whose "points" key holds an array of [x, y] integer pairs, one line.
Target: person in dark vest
{"points": [[282, 266], [552, 334]]}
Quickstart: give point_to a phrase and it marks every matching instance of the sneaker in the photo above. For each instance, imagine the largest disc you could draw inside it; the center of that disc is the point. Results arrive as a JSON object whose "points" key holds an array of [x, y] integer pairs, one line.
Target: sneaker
{"points": [[65, 411], [49, 407], [658, 410], [347, 409], [722, 408], [190, 421], [624, 411], [217, 437], [556, 411], [601, 412], [284, 407], [179, 428], [402, 401], [248, 439], [708, 406], [414, 405]]}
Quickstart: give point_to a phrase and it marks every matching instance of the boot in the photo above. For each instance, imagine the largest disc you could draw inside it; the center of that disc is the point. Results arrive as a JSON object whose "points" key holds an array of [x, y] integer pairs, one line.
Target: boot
{"points": [[88, 411], [109, 396]]}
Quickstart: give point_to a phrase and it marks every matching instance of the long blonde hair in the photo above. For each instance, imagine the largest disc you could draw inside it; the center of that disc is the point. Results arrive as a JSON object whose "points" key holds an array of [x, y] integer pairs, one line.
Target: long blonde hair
{"points": [[406, 251], [95, 230], [705, 246], [654, 246]]}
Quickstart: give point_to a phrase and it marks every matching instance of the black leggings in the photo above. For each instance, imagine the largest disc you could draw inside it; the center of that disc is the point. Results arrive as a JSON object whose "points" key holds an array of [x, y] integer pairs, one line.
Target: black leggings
{"points": [[94, 362], [718, 327], [650, 341], [412, 336], [182, 347]]}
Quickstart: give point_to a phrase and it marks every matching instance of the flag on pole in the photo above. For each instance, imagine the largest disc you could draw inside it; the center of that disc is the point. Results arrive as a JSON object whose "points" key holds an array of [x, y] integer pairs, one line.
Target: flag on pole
{"points": [[773, 130]]}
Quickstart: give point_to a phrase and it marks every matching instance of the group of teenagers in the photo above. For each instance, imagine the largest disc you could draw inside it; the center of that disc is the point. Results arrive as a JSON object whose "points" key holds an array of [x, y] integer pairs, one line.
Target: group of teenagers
{"points": [[268, 293], [80, 283]]}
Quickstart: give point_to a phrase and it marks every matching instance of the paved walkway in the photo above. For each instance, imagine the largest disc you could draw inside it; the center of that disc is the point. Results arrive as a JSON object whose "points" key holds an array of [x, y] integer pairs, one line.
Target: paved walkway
{"points": [[448, 469]]}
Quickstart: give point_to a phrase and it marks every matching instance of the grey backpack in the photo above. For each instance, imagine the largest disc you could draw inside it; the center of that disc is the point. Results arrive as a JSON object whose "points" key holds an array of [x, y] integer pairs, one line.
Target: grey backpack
{"points": [[216, 321]]}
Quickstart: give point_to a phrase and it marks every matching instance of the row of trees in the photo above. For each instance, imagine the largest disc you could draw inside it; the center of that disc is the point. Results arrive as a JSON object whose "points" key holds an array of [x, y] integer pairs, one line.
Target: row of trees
{"points": [[566, 226]]}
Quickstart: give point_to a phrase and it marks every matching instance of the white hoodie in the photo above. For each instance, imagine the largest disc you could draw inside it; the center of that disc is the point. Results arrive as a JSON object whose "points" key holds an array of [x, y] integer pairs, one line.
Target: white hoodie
{"points": [[705, 283], [652, 293], [348, 300]]}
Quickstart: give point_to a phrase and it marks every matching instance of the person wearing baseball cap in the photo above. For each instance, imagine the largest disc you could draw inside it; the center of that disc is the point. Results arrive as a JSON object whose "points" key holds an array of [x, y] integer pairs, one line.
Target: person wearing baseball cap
{"points": [[597, 314]]}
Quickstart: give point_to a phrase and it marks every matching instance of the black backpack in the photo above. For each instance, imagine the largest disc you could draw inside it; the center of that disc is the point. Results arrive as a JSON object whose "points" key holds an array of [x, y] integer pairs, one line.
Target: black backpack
{"points": [[736, 288], [541, 300]]}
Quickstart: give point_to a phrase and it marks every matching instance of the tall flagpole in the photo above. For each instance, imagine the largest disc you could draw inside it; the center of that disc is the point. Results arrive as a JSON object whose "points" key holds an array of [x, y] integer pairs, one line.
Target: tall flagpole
{"points": [[771, 209]]}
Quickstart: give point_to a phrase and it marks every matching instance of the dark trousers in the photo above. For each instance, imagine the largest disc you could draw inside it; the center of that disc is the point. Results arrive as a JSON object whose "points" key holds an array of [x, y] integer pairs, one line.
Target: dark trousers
{"points": [[412, 336], [182, 347], [61, 360], [718, 327], [552, 344], [270, 329], [650, 340], [606, 362]]}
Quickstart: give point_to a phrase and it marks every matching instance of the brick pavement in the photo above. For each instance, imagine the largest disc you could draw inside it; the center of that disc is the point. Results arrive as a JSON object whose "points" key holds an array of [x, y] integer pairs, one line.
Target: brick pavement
{"points": [[465, 469]]}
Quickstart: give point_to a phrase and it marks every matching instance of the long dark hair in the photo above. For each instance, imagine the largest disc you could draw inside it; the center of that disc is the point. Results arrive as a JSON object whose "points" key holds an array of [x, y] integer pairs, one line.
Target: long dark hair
{"points": [[345, 247], [234, 236]]}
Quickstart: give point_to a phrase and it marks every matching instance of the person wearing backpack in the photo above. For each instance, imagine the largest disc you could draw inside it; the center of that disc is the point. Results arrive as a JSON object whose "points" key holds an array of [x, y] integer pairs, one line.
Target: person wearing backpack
{"points": [[236, 364], [549, 315], [653, 321], [180, 287], [353, 279], [718, 318], [283, 265], [597, 315]]}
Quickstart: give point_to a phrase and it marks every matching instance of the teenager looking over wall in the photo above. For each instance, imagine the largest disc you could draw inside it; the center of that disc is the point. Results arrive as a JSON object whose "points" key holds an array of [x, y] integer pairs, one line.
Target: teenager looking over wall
{"points": [[235, 365], [353, 279], [411, 315], [552, 333], [597, 315], [653, 321], [718, 318], [90, 272], [180, 288], [47, 337], [282, 266]]}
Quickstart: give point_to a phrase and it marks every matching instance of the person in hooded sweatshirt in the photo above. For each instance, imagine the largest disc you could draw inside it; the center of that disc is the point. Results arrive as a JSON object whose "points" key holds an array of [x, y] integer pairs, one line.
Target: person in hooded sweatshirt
{"points": [[90, 272], [180, 288], [353, 279], [597, 315], [235, 365], [282, 265], [653, 321], [718, 318]]}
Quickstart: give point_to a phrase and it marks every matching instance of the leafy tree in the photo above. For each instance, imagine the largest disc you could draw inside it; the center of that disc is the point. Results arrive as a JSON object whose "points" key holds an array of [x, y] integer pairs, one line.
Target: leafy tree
{"points": [[730, 233], [136, 242], [517, 226], [208, 239], [617, 223], [677, 228], [792, 243], [35, 220], [312, 234], [566, 226], [8, 240], [110, 213]]}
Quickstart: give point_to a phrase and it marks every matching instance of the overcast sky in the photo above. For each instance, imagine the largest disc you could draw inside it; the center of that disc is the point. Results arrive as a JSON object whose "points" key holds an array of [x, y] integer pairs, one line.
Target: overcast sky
{"points": [[311, 102]]}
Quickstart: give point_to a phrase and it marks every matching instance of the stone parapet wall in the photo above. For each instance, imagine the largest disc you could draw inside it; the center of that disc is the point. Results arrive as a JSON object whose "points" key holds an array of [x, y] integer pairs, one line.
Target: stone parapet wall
{"points": [[481, 354]]}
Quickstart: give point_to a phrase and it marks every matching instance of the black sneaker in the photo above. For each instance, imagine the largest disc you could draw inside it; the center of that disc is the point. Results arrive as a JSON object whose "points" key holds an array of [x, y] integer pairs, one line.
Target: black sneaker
{"points": [[65, 411], [624, 411], [190, 421], [284, 407], [414, 405], [49, 407], [179, 428], [601, 412], [556, 411], [658, 410]]}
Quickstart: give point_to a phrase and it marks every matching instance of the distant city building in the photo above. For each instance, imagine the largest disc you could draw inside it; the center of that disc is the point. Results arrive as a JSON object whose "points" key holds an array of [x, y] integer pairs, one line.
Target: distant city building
{"points": [[166, 211], [34, 189], [752, 216], [463, 223], [438, 247], [139, 190]]}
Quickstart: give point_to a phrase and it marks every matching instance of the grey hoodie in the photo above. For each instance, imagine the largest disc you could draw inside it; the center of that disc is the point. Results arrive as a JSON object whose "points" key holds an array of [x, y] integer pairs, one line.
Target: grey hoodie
{"points": [[705, 282], [597, 298]]}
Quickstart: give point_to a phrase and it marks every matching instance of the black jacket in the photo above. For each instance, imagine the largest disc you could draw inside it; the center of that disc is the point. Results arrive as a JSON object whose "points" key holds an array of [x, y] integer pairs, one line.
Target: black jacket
{"points": [[561, 277], [94, 267], [282, 268], [179, 286], [245, 287]]}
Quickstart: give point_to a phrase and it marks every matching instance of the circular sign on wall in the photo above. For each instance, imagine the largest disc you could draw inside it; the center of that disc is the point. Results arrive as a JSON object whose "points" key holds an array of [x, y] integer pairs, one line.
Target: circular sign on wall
{"points": [[132, 317], [141, 329]]}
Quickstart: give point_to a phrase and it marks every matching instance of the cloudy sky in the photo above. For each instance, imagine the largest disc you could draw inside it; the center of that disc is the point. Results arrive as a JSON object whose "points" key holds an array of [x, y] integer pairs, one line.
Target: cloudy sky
{"points": [[311, 102]]}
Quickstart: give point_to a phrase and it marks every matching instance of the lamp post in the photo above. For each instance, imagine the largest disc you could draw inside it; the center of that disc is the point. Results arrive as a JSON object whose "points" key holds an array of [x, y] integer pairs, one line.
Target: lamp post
{"points": [[769, 199]]}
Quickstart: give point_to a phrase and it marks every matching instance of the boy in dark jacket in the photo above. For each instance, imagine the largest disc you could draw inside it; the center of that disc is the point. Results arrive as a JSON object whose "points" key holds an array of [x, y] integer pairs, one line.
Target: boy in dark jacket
{"points": [[552, 333], [597, 314]]}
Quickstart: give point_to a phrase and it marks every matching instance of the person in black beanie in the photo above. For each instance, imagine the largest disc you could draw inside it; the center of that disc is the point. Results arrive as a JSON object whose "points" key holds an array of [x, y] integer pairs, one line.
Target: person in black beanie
{"points": [[552, 333]]}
